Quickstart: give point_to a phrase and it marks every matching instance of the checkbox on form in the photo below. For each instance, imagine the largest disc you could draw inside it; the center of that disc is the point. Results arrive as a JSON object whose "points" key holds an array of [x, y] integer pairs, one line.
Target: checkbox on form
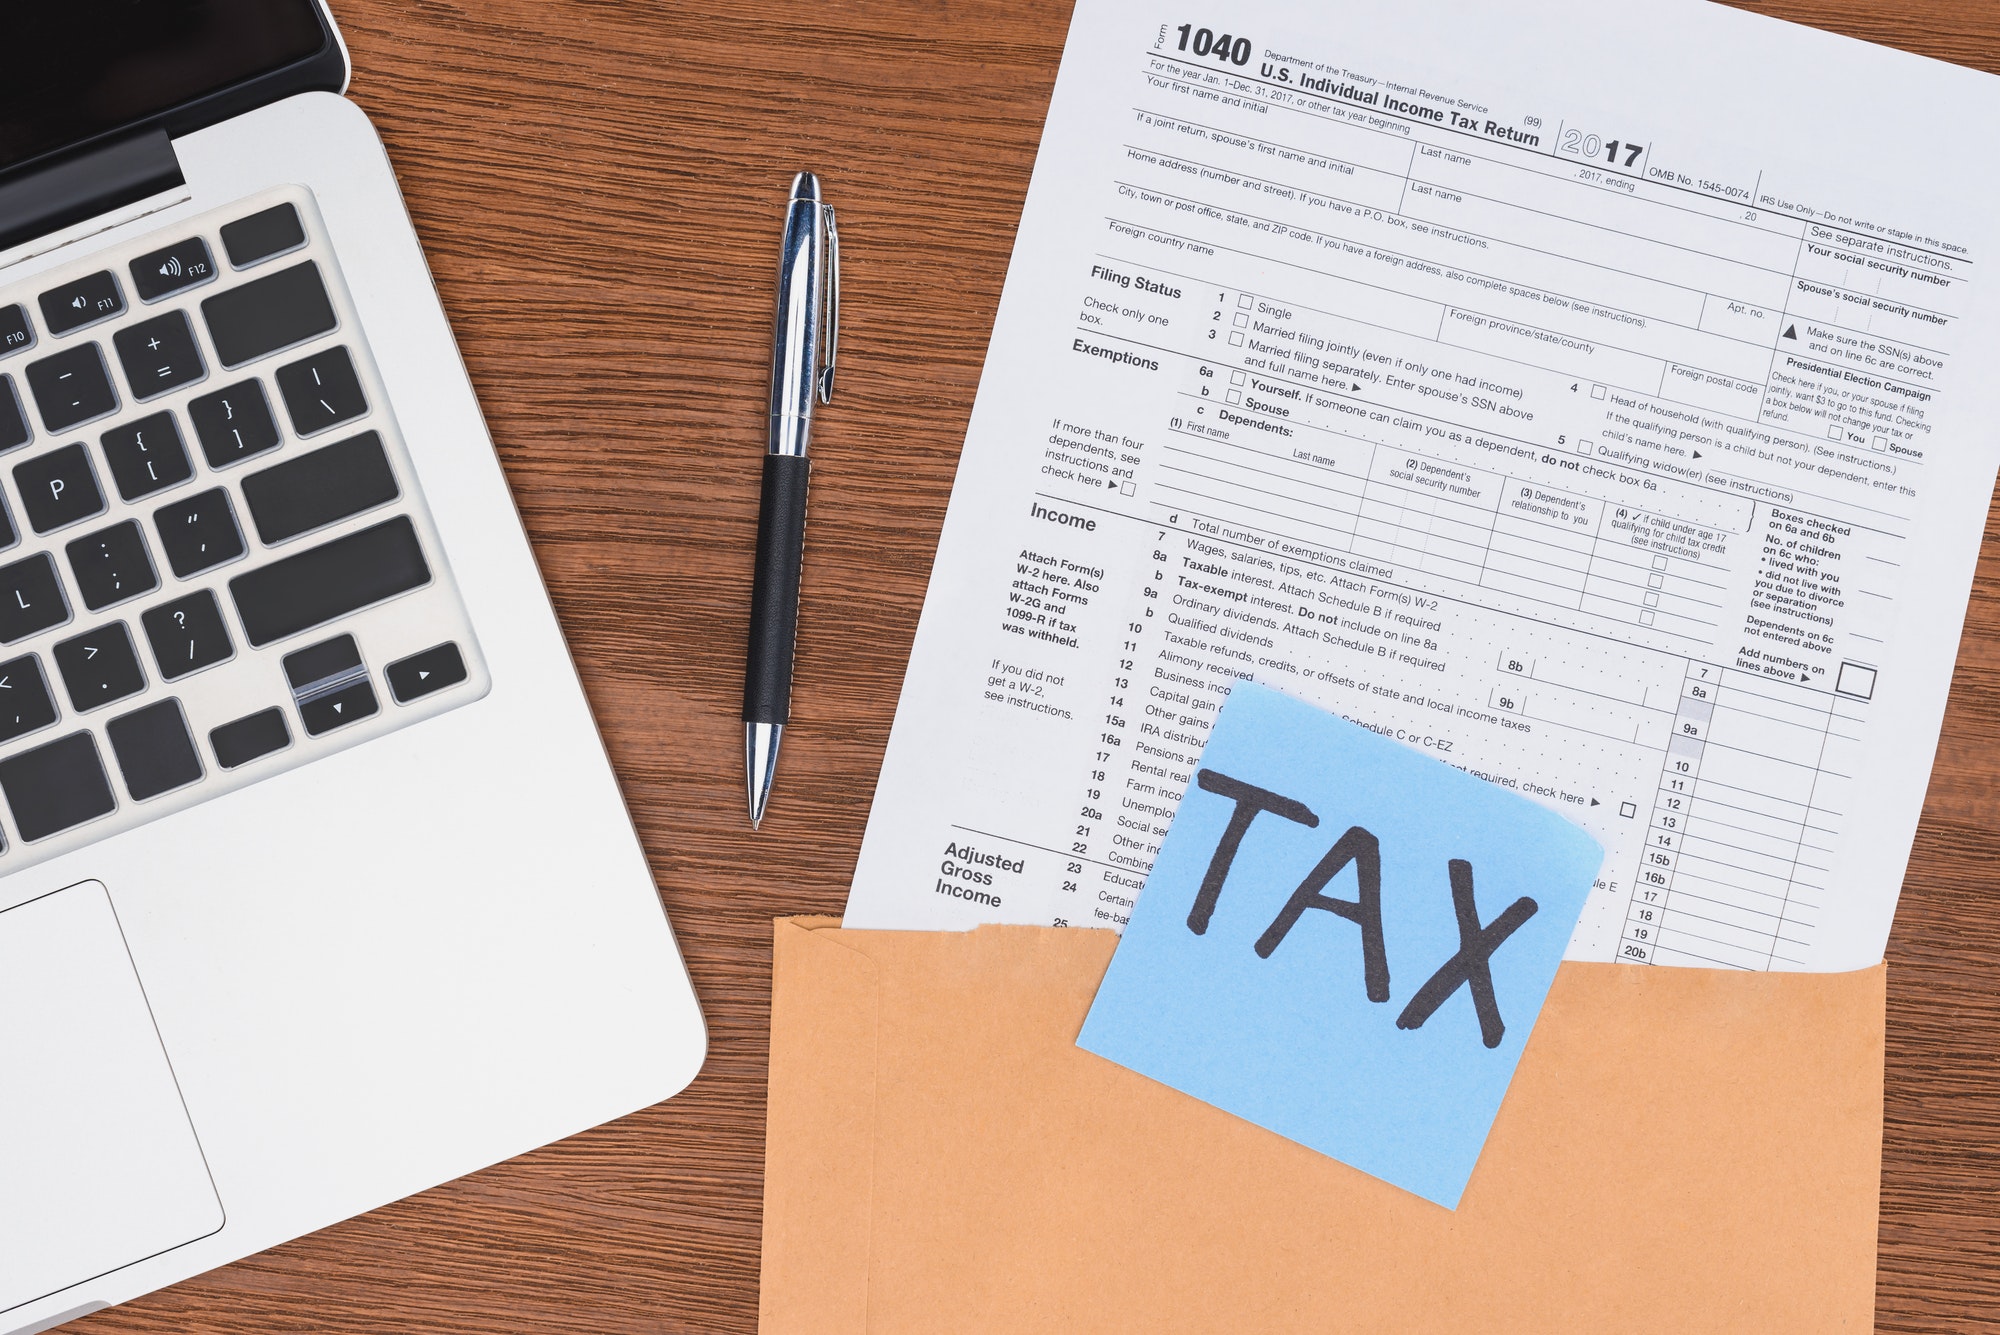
{"points": [[1244, 301]]}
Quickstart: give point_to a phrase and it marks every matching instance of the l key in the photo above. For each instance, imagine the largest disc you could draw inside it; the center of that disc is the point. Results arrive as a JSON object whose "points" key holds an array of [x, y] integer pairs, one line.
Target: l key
{"points": [[31, 598]]}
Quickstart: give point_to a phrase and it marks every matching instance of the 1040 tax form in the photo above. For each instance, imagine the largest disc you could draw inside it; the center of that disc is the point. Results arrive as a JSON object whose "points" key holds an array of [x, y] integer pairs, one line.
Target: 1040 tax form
{"points": [[1600, 398]]}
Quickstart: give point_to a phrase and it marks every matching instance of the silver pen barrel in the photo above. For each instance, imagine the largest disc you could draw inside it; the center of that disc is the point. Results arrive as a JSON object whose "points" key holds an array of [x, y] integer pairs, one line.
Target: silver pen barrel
{"points": [[795, 353]]}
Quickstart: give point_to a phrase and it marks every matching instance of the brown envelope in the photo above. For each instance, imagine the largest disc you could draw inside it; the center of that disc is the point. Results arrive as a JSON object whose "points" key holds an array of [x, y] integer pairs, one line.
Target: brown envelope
{"points": [[1680, 1151]]}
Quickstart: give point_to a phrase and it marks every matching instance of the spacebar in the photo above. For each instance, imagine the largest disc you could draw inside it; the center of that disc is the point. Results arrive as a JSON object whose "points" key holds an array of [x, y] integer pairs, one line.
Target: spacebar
{"points": [[329, 581]]}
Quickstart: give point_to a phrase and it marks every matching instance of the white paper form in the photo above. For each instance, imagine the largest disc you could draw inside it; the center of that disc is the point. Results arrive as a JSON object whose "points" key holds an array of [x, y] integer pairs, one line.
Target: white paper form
{"points": [[1599, 398]]}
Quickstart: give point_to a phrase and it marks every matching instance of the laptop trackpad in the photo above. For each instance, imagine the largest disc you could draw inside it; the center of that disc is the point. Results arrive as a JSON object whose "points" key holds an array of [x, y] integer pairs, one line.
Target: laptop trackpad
{"points": [[99, 1166]]}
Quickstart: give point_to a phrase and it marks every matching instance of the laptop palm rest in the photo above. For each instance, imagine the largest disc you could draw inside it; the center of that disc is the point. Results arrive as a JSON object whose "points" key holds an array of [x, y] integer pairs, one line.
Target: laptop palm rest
{"points": [[99, 1165]]}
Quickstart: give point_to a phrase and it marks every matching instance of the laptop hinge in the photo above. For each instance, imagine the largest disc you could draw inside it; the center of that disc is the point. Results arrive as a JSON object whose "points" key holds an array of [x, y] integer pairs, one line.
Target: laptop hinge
{"points": [[69, 190]]}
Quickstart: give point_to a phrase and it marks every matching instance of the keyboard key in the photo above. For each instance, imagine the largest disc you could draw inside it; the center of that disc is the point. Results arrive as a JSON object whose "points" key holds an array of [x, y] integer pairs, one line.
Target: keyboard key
{"points": [[325, 666], [322, 391], [111, 565], [198, 533], [418, 675], [321, 583], [72, 387], [81, 302], [350, 705], [159, 355], [277, 311], [59, 488], [233, 423], [31, 598], [17, 331], [187, 635], [14, 430], [154, 748], [147, 456], [262, 235], [56, 786], [25, 703], [249, 738], [330, 685], [99, 666], [319, 488], [176, 268]]}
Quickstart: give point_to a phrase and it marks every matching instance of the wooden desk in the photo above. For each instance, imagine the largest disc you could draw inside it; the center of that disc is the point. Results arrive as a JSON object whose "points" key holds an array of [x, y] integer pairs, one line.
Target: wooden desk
{"points": [[596, 182]]}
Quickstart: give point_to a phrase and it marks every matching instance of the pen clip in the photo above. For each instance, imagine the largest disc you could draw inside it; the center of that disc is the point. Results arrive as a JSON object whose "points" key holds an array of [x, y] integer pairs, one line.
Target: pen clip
{"points": [[832, 306]]}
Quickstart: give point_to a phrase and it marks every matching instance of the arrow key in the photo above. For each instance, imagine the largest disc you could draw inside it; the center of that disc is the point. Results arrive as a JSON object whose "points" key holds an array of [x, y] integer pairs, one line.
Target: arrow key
{"points": [[418, 675], [327, 712], [330, 685]]}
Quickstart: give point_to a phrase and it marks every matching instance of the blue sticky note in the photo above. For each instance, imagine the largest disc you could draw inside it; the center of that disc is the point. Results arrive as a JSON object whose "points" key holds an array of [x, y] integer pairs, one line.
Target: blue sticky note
{"points": [[1345, 941]]}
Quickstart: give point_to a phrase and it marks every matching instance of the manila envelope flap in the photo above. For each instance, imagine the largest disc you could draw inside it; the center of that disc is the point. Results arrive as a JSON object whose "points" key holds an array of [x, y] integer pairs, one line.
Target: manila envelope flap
{"points": [[1685, 1150]]}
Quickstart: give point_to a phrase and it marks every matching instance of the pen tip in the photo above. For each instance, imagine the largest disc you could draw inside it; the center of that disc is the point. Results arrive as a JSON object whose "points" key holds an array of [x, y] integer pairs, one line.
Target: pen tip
{"points": [[760, 755], [805, 186]]}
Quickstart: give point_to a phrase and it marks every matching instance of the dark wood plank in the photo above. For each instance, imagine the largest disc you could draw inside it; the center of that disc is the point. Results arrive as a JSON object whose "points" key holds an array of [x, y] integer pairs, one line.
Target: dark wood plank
{"points": [[596, 183]]}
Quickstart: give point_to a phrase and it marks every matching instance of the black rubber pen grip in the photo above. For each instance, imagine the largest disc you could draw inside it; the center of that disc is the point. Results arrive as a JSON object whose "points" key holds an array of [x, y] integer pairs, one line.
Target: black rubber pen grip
{"points": [[774, 598]]}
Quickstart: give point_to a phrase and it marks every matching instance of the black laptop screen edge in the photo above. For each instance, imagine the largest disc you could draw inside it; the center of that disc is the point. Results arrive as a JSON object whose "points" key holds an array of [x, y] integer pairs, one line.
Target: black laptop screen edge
{"points": [[235, 91]]}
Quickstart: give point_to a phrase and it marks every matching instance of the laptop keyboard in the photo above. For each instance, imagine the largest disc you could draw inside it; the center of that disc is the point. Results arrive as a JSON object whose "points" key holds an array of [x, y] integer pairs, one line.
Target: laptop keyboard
{"points": [[215, 563]]}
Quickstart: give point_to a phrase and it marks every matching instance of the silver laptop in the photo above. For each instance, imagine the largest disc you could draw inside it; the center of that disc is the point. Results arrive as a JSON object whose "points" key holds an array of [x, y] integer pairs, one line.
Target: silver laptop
{"points": [[316, 888]]}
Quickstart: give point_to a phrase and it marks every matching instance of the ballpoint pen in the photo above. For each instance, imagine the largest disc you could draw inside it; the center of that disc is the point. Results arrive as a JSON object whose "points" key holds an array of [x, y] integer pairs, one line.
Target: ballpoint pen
{"points": [[808, 309]]}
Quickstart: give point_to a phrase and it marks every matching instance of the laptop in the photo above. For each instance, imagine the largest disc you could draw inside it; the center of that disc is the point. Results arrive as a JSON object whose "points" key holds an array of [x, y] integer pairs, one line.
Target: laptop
{"points": [[316, 887]]}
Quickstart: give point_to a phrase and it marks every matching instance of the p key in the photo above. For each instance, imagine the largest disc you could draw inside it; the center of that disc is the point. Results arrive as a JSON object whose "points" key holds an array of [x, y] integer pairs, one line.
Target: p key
{"points": [[59, 488]]}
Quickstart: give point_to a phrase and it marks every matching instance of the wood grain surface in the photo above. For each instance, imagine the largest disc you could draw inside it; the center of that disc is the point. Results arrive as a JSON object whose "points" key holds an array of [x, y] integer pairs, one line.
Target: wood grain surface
{"points": [[596, 183]]}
